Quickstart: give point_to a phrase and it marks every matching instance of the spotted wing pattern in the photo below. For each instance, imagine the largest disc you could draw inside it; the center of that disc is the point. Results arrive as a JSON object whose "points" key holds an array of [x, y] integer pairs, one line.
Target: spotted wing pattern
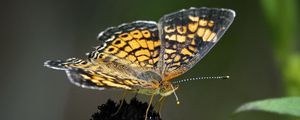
{"points": [[134, 44], [188, 35], [126, 58], [87, 75]]}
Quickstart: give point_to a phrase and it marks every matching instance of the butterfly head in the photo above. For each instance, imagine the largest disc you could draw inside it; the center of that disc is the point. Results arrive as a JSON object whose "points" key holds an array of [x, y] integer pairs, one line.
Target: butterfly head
{"points": [[167, 88]]}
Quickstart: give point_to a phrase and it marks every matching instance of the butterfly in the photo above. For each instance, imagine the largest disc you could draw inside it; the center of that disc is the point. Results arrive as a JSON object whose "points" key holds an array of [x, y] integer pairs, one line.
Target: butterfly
{"points": [[145, 56]]}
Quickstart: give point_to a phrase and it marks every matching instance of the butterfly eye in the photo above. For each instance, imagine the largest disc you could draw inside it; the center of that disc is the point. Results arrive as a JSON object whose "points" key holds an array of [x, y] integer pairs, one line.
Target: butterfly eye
{"points": [[163, 90]]}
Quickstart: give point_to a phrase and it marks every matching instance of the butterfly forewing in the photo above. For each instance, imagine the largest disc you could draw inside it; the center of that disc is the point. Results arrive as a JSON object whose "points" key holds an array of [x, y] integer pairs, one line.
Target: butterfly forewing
{"points": [[188, 35], [135, 44]]}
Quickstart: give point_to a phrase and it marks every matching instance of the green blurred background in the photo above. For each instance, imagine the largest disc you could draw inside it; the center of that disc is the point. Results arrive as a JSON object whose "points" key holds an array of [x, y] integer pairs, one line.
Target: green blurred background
{"points": [[260, 52]]}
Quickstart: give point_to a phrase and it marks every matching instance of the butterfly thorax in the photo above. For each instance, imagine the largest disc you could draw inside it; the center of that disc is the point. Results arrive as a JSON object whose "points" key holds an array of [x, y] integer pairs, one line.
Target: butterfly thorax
{"points": [[157, 86], [164, 89]]}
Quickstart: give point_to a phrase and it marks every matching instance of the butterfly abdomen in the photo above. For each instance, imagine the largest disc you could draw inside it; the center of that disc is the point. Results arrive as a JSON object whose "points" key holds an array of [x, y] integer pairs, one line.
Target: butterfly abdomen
{"points": [[149, 75]]}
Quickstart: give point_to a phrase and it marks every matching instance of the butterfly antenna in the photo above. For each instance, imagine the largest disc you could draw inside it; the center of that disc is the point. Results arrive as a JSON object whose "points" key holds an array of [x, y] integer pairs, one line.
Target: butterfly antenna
{"points": [[177, 101], [201, 78]]}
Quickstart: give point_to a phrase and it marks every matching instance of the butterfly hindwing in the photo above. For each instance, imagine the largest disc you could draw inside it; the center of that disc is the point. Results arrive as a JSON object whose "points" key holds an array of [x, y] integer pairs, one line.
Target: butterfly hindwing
{"points": [[87, 75], [188, 35]]}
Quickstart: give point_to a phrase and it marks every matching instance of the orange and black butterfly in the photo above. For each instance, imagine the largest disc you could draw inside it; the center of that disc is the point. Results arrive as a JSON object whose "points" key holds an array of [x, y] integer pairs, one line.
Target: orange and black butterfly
{"points": [[144, 56]]}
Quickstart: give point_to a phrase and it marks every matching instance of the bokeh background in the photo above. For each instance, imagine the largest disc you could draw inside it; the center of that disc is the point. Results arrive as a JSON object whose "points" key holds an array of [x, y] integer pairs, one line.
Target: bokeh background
{"points": [[260, 52]]}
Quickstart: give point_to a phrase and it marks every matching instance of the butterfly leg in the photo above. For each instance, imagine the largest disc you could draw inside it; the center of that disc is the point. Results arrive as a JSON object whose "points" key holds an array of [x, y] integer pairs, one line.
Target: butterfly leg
{"points": [[136, 94], [122, 101], [150, 102], [161, 102], [157, 104]]}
